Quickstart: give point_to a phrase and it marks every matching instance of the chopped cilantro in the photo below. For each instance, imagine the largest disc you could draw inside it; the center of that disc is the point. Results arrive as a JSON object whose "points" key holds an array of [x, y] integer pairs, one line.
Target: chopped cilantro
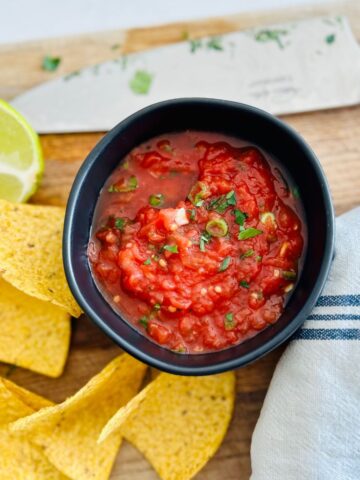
{"points": [[229, 323], [204, 238], [248, 253], [271, 36], [157, 307], [147, 261], [171, 248], [141, 82], [329, 39], [220, 204], [50, 64], [192, 214], [240, 217], [249, 233], [71, 75], [215, 44], [230, 197], [144, 321], [120, 223], [129, 186], [244, 283], [224, 264], [195, 45]]}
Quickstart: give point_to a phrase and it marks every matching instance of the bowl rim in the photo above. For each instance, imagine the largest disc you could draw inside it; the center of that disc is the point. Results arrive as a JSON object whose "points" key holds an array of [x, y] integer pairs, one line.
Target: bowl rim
{"points": [[273, 342]]}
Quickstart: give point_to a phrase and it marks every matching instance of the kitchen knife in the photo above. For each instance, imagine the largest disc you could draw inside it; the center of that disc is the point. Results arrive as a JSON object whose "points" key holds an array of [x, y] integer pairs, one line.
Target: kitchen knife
{"points": [[295, 67]]}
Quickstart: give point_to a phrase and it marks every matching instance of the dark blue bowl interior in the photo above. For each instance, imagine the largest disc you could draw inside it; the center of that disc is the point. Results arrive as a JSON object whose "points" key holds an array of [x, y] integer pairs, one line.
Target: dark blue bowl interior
{"points": [[245, 122]]}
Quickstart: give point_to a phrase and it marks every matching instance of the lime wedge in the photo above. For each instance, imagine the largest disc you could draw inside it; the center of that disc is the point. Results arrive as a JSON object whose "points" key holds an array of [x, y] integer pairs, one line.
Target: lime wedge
{"points": [[21, 159]]}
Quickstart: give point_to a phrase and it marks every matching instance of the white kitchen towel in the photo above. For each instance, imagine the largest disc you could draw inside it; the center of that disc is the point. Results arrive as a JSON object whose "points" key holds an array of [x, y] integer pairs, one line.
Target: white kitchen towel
{"points": [[309, 426]]}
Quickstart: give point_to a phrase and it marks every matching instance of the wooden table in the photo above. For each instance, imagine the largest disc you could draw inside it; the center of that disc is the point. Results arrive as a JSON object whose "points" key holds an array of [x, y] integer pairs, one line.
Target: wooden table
{"points": [[334, 135]]}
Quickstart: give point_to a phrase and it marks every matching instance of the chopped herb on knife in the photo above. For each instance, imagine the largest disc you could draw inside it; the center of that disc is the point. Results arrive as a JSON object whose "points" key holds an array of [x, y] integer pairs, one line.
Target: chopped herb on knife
{"points": [[141, 82], [50, 64]]}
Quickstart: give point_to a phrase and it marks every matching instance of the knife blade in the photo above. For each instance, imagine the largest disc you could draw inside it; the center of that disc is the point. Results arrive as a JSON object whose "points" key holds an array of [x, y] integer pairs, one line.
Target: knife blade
{"points": [[295, 67]]}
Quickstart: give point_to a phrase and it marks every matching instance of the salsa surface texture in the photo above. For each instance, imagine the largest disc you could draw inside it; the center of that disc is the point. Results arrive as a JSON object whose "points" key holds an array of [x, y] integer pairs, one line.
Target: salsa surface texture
{"points": [[197, 240]]}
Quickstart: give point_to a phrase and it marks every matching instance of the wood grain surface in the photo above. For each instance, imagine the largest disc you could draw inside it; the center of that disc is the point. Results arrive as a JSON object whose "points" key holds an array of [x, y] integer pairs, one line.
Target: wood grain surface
{"points": [[334, 136]]}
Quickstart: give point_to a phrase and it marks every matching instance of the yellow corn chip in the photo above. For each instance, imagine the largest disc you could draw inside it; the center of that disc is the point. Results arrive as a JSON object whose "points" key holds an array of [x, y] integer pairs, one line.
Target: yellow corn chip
{"points": [[30, 252], [178, 423], [68, 432], [19, 459], [33, 334]]}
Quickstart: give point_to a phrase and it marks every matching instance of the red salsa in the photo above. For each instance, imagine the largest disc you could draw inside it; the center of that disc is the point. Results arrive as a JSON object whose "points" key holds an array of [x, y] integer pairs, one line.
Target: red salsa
{"points": [[197, 240]]}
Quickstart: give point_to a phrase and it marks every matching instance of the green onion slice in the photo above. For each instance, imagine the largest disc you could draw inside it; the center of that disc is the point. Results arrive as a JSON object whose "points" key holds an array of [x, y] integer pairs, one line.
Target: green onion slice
{"points": [[197, 194], [156, 200], [217, 227]]}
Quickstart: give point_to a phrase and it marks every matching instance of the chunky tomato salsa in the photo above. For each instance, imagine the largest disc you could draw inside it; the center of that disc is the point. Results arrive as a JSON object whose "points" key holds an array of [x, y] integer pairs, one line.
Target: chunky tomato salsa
{"points": [[197, 240]]}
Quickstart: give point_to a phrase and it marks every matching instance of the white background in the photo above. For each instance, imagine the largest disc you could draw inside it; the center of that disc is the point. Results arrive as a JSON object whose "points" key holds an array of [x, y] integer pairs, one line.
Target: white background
{"points": [[32, 19]]}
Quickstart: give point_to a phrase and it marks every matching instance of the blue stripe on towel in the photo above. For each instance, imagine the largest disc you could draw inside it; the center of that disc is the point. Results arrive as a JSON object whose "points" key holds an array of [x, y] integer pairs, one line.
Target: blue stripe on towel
{"points": [[328, 316], [327, 334], [339, 300]]}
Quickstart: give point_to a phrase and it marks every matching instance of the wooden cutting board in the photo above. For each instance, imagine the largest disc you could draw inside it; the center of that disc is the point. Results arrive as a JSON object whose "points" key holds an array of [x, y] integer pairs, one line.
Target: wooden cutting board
{"points": [[334, 135]]}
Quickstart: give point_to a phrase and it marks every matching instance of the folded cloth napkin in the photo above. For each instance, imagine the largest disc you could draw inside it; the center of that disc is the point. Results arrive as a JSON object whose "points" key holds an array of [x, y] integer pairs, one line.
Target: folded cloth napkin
{"points": [[309, 427]]}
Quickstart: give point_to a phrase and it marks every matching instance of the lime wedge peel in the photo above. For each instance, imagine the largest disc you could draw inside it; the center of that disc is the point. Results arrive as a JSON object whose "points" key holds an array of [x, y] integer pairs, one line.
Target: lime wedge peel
{"points": [[21, 158]]}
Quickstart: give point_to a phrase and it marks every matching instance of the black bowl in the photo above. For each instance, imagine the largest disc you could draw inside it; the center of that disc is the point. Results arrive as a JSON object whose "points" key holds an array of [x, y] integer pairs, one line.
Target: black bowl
{"points": [[250, 124]]}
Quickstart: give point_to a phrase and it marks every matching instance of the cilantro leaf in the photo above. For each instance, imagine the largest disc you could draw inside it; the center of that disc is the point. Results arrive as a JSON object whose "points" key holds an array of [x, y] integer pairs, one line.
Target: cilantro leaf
{"points": [[171, 248], [131, 184], [240, 217], [224, 264], [248, 253], [249, 233], [220, 204], [144, 321], [204, 238], [120, 223], [229, 323]]}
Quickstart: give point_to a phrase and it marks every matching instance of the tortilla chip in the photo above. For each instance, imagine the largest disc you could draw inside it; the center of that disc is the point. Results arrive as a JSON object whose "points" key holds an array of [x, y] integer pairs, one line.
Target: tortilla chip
{"points": [[30, 252], [68, 432], [178, 423], [33, 334], [19, 459], [16, 402]]}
